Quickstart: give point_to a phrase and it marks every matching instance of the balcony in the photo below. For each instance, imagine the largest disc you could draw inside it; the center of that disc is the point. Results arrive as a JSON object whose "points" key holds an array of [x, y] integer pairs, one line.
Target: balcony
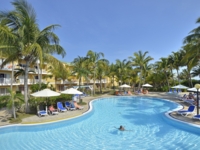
{"points": [[7, 81]]}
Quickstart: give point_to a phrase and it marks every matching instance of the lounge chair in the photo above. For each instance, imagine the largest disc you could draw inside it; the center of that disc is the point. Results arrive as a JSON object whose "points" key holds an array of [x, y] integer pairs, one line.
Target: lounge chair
{"points": [[41, 112], [60, 107], [52, 110], [196, 117], [69, 106], [175, 91], [190, 110], [170, 91]]}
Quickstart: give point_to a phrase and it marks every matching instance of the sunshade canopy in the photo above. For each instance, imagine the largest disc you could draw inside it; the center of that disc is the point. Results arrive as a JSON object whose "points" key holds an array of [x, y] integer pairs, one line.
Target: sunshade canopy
{"points": [[45, 93], [125, 86], [71, 91], [192, 89], [180, 87], [147, 85]]}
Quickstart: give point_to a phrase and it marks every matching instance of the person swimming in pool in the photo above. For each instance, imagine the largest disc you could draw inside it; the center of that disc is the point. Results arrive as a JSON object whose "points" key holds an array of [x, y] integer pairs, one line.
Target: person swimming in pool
{"points": [[121, 128]]}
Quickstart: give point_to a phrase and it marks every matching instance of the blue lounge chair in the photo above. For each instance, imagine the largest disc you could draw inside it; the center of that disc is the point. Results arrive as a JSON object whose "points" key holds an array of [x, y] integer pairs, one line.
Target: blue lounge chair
{"points": [[60, 107], [42, 113], [170, 91], [69, 106], [196, 117], [190, 110], [175, 91]]}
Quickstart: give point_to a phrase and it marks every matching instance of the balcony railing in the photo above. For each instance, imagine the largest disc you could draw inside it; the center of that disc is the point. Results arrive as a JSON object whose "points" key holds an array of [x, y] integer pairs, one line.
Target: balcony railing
{"points": [[7, 81]]}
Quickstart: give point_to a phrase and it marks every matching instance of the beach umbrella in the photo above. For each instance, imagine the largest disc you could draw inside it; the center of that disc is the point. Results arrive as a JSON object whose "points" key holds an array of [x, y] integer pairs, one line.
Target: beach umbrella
{"points": [[71, 91], [45, 93], [125, 86], [179, 87], [147, 85], [192, 89]]}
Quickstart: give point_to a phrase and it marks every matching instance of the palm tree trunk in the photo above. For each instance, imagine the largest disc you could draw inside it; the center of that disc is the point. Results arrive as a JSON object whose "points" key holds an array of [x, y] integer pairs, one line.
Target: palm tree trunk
{"points": [[39, 77], [100, 85], [11, 88], [26, 86], [79, 82], [167, 80], [178, 77], [93, 84]]}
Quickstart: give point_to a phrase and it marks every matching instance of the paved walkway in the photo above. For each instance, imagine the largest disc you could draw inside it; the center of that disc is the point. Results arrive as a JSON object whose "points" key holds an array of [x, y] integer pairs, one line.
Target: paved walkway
{"points": [[70, 114]]}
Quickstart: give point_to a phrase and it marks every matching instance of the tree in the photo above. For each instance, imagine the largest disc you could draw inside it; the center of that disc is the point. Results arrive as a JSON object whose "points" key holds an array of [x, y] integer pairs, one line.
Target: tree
{"points": [[79, 68], [94, 58], [122, 68], [32, 43], [163, 66], [140, 60], [102, 68]]}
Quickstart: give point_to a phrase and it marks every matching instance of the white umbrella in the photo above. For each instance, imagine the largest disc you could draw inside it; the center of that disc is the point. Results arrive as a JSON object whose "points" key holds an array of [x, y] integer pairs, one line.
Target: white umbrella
{"points": [[147, 85], [45, 93], [71, 91], [179, 87], [125, 86], [192, 89]]}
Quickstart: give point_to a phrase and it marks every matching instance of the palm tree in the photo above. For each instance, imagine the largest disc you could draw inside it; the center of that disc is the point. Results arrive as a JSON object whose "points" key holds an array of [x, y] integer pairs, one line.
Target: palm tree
{"points": [[140, 60], [32, 43], [102, 68], [194, 39], [94, 58], [112, 73], [122, 68], [163, 66], [177, 56], [79, 68], [190, 60]]}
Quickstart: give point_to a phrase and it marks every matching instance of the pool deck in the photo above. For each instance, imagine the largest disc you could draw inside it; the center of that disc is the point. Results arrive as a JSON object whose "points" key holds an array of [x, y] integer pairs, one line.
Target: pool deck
{"points": [[71, 114]]}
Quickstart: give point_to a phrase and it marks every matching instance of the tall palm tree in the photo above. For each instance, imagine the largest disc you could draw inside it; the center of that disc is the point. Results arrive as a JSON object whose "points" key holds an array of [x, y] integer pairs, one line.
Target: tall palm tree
{"points": [[194, 39], [189, 60], [33, 44], [163, 66], [177, 56], [122, 68], [102, 68], [79, 68], [112, 73], [139, 60], [94, 58]]}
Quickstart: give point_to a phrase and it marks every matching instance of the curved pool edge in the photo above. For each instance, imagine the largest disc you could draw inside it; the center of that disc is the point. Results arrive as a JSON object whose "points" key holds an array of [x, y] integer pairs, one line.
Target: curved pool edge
{"points": [[90, 108], [54, 121]]}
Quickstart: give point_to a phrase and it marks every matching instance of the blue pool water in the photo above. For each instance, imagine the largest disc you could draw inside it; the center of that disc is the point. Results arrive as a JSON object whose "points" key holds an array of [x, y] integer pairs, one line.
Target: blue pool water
{"points": [[145, 117]]}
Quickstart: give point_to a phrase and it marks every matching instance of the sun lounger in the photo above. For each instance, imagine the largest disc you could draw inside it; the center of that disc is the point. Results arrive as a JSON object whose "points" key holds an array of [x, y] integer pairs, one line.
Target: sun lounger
{"points": [[190, 110], [41, 113], [170, 91], [69, 106], [196, 117], [60, 107]]}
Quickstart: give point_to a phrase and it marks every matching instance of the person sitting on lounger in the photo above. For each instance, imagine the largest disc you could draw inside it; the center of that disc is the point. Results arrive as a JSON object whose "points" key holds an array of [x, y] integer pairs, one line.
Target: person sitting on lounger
{"points": [[53, 110], [129, 93], [76, 104]]}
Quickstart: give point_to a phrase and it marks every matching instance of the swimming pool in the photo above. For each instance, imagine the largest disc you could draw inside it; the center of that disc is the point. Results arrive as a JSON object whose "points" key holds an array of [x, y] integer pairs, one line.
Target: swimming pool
{"points": [[96, 130]]}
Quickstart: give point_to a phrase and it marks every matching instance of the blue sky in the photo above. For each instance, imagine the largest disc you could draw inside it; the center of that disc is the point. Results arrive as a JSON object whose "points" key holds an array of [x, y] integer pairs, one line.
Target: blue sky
{"points": [[118, 28]]}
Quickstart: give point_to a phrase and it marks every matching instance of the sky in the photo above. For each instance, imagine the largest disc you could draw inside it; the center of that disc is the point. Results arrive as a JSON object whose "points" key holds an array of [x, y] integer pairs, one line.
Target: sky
{"points": [[117, 28]]}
